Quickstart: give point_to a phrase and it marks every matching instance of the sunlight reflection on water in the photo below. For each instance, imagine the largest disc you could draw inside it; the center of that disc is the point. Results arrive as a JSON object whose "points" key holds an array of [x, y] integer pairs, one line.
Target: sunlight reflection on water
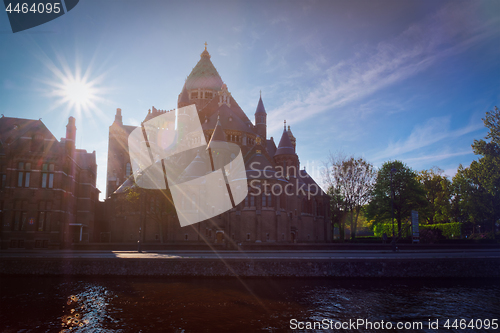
{"points": [[63, 304], [87, 310]]}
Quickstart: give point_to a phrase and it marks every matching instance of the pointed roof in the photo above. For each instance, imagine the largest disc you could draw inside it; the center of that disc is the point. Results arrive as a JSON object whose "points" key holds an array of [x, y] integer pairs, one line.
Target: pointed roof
{"points": [[228, 119], [218, 134], [12, 129], [184, 98], [204, 75], [285, 147], [260, 107], [307, 179], [271, 146]]}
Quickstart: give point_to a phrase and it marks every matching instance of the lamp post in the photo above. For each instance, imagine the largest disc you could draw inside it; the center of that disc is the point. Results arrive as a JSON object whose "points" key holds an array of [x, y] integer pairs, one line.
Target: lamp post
{"points": [[393, 243], [139, 242]]}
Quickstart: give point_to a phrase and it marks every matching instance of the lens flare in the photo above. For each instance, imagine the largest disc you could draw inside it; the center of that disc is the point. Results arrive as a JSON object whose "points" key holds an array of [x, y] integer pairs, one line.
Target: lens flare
{"points": [[79, 90]]}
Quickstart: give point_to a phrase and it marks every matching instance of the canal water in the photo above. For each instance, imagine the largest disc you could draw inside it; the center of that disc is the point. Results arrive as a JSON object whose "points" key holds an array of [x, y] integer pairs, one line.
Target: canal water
{"points": [[118, 304]]}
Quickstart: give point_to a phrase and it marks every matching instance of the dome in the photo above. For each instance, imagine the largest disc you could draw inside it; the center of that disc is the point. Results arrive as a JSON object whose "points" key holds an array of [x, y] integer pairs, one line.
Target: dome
{"points": [[204, 75]]}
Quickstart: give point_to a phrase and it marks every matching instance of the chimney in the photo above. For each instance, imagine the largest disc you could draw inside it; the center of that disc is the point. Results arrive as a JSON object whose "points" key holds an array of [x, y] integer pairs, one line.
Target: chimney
{"points": [[118, 116], [70, 135]]}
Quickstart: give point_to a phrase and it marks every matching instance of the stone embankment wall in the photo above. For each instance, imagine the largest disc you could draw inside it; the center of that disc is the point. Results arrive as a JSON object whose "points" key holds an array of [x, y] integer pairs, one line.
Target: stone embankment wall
{"points": [[462, 267]]}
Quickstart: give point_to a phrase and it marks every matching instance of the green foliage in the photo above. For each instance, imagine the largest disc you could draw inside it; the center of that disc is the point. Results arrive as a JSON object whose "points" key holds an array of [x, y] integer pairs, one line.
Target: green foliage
{"points": [[381, 228], [476, 189], [408, 193], [438, 195], [449, 230], [492, 148]]}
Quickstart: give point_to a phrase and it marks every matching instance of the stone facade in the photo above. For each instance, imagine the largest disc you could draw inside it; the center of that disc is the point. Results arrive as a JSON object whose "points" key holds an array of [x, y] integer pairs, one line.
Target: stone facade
{"points": [[48, 187], [284, 203]]}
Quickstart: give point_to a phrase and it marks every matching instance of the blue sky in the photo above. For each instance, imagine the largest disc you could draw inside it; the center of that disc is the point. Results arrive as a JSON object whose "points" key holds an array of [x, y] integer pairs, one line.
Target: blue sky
{"points": [[384, 80]]}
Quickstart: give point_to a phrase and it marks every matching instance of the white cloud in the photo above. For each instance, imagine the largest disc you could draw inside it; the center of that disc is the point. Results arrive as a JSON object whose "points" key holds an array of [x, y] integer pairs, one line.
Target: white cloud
{"points": [[447, 32], [434, 130], [438, 157]]}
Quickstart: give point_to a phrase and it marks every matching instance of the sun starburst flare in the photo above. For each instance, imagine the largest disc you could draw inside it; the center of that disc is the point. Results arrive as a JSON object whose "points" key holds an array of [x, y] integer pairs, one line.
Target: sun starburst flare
{"points": [[78, 93]]}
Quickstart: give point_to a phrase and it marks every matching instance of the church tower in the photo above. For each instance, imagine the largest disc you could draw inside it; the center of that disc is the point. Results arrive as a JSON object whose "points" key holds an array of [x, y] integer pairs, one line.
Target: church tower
{"points": [[261, 119], [285, 155], [119, 167]]}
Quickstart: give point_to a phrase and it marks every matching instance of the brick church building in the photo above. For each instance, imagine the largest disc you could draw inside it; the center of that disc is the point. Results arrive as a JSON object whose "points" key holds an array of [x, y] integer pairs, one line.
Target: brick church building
{"points": [[48, 188], [284, 205]]}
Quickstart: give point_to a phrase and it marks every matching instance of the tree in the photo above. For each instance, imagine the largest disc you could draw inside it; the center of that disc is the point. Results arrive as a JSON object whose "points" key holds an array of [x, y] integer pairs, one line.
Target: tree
{"points": [[337, 210], [472, 203], [492, 148], [364, 175], [401, 183], [438, 195], [477, 188], [487, 168], [350, 181]]}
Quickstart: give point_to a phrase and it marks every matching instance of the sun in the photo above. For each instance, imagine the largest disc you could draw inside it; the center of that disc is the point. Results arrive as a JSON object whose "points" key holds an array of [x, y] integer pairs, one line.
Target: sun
{"points": [[78, 92]]}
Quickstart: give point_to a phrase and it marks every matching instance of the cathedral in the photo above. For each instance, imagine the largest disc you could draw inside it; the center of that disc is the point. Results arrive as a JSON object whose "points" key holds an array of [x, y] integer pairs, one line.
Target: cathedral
{"points": [[284, 204]]}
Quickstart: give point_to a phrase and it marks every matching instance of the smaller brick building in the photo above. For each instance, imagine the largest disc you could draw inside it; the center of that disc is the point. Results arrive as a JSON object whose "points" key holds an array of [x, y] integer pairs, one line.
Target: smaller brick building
{"points": [[48, 188]]}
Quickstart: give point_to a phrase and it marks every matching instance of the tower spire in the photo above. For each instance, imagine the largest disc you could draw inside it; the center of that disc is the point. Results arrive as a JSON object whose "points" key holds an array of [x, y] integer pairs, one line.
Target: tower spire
{"points": [[261, 119], [205, 53]]}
